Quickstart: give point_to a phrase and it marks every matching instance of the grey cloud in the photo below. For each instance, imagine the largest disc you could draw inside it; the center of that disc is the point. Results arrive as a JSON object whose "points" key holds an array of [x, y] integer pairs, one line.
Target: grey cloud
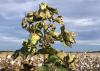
{"points": [[78, 8], [16, 8], [82, 46], [82, 24], [69, 8], [91, 35], [87, 29], [11, 46]]}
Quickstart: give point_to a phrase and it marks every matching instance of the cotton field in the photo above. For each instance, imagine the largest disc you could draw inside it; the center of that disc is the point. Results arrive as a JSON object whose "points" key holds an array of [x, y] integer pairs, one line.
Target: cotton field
{"points": [[84, 62]]}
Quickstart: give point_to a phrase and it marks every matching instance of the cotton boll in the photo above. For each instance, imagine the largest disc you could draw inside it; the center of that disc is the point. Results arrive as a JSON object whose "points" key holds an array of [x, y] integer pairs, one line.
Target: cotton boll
{"points": [[40, 64], [12, 62], [9, 56], [98, 65]]}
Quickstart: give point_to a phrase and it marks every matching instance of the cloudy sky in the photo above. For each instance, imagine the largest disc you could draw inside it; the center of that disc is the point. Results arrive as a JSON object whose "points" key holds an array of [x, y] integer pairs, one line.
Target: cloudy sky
{"points": [[80, 16]]}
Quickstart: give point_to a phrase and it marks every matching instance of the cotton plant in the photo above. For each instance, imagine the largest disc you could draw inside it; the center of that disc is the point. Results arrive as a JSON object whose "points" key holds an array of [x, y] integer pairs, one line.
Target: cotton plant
{"points": [[41, 26]]}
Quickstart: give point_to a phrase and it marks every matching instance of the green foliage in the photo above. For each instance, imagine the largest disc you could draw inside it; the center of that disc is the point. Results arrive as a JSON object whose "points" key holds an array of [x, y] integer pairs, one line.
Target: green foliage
{"points": [[49, 50], [45, 68], [42, 33], [53, 59], [67, 37]]}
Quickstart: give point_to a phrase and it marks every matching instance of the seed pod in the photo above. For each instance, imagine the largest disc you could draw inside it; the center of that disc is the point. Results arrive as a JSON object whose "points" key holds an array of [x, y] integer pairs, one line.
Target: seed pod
{"points": [[44, 25], [53, 10], [24, 23], [59, 20], [61, 55], [70, 37], [30, 14], [48, 15], [42, 15], [43, 6], [72, 34], [30, 19], [34, 38]]}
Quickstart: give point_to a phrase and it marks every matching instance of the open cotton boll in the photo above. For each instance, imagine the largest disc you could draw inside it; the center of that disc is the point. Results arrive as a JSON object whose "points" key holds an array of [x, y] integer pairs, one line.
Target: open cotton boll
{"points": [[40, 64], [9, 56], [12, 62]]}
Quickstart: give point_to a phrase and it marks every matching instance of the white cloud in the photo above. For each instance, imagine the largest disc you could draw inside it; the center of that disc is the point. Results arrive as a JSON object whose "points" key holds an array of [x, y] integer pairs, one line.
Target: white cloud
{"points": [[88, 42], [82, 24], [4, 38], [15, 9], [11, 10], [82, 21]]}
